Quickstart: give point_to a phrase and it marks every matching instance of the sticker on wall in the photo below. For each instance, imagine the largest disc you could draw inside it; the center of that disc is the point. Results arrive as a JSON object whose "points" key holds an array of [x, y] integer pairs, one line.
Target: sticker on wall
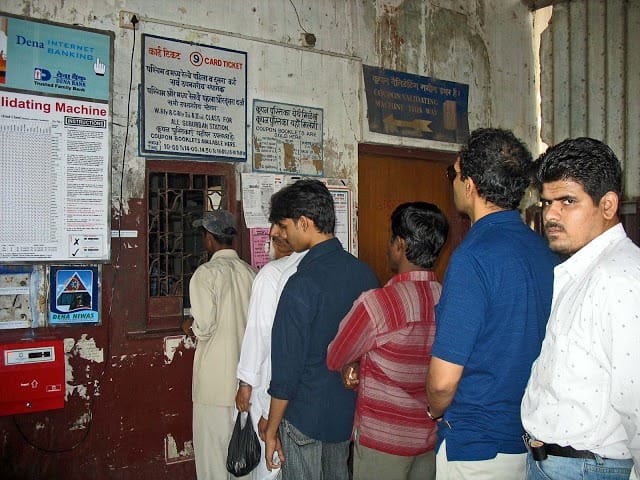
{"points": [[74, 295]]}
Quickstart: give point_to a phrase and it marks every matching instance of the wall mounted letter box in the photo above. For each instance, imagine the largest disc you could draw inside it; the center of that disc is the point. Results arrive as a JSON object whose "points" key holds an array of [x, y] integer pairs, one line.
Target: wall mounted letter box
{"points": [[31, 376]]}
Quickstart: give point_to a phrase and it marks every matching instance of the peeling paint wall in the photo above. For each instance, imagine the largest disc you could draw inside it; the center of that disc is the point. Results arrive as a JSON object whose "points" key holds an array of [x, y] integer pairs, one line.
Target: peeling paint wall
{"points": [[128, 405], [484, 43]]}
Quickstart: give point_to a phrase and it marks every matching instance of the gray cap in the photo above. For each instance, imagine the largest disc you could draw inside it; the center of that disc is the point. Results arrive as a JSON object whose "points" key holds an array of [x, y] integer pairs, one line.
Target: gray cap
{"points": [[218, 222]]}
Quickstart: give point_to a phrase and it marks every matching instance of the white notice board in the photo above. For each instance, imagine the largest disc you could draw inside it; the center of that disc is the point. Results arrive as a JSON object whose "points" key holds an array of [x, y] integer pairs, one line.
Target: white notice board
{"points": [[194, 100], [54, 160]]}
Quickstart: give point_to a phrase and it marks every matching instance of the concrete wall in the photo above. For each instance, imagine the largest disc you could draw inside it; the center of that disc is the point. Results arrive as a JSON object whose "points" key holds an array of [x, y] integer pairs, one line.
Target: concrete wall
{"points": [[486, 44], [128, 411], [591, 78]]}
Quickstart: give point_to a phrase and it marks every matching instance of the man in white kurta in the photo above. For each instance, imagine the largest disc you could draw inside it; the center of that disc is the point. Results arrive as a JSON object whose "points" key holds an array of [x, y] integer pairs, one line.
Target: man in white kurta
{"points": [[219, 291], [254, 368]]}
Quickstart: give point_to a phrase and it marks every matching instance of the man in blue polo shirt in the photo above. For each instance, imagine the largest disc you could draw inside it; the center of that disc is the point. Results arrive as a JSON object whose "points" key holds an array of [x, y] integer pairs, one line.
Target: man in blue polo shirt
{"points": [[310, 409], [491, 317]]}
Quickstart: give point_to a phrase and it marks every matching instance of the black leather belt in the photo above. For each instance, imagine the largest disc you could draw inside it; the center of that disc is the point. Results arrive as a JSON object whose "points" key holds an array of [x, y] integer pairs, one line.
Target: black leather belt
{"points": [[539, 450], [569, 452]]}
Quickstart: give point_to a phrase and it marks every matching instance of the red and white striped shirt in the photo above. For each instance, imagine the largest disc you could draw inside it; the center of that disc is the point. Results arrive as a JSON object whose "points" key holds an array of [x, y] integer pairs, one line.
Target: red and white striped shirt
{"points": [[391, 330]]}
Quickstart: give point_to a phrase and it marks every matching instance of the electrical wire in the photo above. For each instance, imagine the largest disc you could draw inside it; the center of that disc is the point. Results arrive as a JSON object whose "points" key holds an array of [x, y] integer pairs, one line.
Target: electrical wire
{"points": [[297, 16], [107, 322]]}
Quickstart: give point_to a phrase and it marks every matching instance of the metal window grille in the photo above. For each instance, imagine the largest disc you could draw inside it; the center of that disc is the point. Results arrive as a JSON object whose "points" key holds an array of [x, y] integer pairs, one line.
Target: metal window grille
{"points": [[176, 248]]}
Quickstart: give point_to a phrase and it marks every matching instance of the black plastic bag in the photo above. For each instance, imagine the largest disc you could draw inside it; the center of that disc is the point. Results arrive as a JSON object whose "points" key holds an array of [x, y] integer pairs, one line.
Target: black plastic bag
{"points": [[244, 452]]}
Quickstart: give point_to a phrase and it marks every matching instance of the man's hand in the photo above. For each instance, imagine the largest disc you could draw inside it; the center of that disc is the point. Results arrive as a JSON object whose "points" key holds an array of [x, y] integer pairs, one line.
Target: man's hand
{"points": [[242, 398], [186, 326], [262, 428], [351, 375], [273, 453]]}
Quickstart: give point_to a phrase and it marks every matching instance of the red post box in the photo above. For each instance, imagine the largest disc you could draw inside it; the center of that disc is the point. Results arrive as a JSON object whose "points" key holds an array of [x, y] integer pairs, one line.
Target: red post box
{"points": [[31, 376]]}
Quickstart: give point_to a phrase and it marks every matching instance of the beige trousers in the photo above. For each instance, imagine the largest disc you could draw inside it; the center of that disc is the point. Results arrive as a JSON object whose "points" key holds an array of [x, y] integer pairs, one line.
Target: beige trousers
{"points": [[504, 466], [212, 428]]}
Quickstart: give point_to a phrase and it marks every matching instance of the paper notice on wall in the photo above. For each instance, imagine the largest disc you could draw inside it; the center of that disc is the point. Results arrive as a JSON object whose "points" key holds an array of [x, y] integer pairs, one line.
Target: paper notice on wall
{"points": [[54, 187], [257, 189]]}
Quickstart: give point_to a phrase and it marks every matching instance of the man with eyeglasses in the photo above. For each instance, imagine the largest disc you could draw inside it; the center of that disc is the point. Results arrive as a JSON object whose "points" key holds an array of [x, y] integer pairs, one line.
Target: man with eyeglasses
{"points": [[491, 318]]}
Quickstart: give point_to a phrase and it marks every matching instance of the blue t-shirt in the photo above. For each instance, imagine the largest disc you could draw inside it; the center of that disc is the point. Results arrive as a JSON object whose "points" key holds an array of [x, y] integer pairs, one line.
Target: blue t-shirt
{"points": [[312, 304], [491, 319]]}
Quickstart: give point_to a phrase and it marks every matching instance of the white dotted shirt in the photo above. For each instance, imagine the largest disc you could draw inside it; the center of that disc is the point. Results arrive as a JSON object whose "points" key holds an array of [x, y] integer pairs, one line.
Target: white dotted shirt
{"points": [[584, 389]]}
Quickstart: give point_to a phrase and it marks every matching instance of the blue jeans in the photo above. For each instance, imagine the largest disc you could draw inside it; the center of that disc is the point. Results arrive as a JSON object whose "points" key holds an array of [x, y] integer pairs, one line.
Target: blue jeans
{"points": [[561, 468], [310, 459]]}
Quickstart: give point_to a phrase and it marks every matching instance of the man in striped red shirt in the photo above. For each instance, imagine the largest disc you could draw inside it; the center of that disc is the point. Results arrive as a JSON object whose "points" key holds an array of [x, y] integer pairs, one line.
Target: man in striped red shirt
{"points": [[389, 332]]}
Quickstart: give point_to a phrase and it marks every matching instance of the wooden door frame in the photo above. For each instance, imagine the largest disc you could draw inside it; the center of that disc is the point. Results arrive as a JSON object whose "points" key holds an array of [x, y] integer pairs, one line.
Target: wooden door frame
{"points": [[407, 152]]}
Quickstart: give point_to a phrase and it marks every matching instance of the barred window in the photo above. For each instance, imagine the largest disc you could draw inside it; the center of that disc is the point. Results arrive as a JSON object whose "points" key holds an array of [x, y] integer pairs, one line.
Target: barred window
{"points": [[177, 194]]}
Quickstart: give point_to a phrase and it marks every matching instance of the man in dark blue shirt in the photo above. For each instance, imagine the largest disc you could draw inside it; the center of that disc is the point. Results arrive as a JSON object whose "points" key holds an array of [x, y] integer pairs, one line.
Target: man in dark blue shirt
{"points": [[491, 317], [310, 408]]}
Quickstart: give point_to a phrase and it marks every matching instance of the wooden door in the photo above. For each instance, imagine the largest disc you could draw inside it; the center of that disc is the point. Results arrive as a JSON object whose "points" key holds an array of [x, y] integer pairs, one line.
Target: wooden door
{"points": [[389, 176]]}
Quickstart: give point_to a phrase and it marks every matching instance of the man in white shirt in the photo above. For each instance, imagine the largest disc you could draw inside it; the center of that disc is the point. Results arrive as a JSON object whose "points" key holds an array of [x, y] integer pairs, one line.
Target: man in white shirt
{"points": [[219, 291], [254, 367], [581, 408]]}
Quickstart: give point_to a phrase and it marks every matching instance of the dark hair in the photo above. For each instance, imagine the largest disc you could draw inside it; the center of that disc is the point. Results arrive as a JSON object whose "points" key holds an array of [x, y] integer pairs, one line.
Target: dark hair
{"points": [[424, 229], [499, 164], [584, 160], [226, 240], [309, 198]]}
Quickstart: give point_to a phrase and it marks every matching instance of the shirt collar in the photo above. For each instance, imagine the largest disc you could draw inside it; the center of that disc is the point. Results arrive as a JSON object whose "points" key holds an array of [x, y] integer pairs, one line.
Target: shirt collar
{"points": [[225, 252], [321, 249], [502, 216], [413, 276]]}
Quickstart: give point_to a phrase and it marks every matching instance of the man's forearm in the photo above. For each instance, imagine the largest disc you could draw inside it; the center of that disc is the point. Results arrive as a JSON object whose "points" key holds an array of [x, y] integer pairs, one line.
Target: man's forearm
{"points": [[439, 401], [442, 384], [276, 414], [272, 445]]}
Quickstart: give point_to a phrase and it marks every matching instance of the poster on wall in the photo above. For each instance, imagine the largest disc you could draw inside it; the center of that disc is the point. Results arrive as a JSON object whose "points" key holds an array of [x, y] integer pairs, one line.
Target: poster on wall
{"points": [[55, 132], [407, 105], [342, 205], [54, 187], [54, 59], [287, 138], [74, 295], [260, 245], [194, 100], [257, 189]]}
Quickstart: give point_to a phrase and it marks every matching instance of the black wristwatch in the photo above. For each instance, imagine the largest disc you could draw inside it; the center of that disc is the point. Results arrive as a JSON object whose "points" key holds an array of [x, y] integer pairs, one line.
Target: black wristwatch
{"points": [[435, 419]]}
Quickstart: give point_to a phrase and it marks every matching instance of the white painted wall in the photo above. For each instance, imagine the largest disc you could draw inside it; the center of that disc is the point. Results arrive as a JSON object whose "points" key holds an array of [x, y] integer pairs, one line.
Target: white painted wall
{"points": [[486, 44]]}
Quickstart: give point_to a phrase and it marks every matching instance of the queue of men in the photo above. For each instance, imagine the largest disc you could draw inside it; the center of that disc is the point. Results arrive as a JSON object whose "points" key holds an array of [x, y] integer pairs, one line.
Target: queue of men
{"points": [[529, 348]]}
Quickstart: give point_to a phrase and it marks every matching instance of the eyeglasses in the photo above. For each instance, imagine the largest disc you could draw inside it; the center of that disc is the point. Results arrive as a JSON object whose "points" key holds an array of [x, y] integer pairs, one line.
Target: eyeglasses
{"points": [[451, 173]]}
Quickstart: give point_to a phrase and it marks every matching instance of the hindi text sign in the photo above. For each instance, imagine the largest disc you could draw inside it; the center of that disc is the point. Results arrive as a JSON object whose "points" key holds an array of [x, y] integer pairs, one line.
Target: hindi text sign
{"points": [[287, 138], [194, 99], [409, 105]]}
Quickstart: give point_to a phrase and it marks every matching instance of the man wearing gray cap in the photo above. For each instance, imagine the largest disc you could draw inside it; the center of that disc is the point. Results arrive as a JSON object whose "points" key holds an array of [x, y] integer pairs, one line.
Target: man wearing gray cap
{"points": [[219, 292]]}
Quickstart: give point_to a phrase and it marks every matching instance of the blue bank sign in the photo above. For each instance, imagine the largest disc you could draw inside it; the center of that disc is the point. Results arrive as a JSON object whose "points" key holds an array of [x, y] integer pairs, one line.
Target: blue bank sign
{"points": [[55, 59], [409, 105]]}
